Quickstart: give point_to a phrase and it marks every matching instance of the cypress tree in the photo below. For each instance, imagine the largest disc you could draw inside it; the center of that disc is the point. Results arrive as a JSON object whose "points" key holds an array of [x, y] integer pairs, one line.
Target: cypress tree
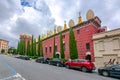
{"points": [[21, 48], [30, 54], [54, 55], [61, 47], [28, 48], [72, 45], [18, 48], [32, 47], [39, 46], [24, 48], [41, 52]]}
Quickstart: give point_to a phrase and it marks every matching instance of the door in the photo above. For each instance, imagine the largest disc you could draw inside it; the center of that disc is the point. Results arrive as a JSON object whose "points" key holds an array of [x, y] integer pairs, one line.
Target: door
{"points": [[74, 63], [115, 71], [80, 63], [57, 55]]}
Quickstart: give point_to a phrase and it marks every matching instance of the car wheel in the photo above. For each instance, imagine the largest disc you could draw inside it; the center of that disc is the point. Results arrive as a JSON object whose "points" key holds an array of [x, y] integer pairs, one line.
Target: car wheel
{"points": [[49, 63], [84, 69], [58, 64], [67, 66], [105, 73], [91, 71]]}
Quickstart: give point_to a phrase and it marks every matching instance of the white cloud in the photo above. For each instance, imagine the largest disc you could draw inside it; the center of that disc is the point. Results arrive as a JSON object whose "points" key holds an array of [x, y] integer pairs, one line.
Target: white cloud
{"points": [[64, 10], [33, 20], [41, 15]]}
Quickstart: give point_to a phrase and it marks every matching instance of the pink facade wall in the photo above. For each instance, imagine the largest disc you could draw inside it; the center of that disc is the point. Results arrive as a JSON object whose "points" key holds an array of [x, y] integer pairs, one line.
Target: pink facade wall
{"points": [[85, 36]]}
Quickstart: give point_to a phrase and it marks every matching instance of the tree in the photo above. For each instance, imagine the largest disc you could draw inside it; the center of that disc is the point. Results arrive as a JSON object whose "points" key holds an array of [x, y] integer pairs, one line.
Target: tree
{"points": [[41, 52], [2, 51], [21, 47], [18, 48], [61, 47], [54, 55], [72, 45], [39, 46], [28, 49], [24, 47], [12, 50], [32, 50], [34, 47]]}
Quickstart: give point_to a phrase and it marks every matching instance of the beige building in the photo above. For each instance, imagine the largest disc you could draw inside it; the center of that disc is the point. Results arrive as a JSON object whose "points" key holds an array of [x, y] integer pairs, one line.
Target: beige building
{"points": [[107, 48], [3, 45]]}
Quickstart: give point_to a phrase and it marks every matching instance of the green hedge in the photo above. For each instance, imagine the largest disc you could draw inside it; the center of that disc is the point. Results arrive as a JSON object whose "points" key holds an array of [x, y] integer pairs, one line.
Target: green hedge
{"points": [[33, 57]]}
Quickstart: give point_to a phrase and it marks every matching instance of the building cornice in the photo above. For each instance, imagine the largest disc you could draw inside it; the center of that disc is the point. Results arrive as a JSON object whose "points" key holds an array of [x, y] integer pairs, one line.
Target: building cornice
{"points": [[107, 34], [3, 40], [83, 24]]}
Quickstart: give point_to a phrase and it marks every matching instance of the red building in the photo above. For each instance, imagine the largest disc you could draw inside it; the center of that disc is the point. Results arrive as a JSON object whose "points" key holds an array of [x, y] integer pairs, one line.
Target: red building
{"points": [[83, 35], [26, 37], [83, 32]]}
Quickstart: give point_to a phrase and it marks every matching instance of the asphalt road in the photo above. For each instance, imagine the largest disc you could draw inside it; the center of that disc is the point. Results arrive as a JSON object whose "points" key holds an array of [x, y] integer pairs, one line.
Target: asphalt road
{"points": [[31, 70]]}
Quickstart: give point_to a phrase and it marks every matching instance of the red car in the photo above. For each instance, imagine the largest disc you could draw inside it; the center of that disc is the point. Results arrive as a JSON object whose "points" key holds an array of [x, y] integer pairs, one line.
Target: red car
{"points": [[84, 65]]}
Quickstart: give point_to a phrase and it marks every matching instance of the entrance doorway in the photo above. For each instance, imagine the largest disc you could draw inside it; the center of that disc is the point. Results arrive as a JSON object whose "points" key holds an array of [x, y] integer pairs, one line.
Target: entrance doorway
{"points": [[58, 55]]}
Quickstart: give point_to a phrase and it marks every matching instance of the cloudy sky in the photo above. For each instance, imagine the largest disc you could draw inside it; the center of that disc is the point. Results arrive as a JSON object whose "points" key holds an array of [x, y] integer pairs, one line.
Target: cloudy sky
{"points": [[38, 16]]}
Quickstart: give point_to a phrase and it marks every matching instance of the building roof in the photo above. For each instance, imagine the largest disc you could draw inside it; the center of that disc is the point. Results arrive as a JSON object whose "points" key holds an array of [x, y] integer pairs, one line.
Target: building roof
{"points": [[26, 34], [3, 40], [80, 25]]}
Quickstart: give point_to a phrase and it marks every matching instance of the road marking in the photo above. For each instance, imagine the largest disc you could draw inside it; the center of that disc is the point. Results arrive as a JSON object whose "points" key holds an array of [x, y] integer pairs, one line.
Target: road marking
{"points": [[9, 67], [14, 77]]}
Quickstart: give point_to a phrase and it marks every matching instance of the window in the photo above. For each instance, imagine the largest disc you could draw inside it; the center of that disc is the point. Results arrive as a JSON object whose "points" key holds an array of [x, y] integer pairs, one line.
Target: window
{"points": [[78, 31], [46, 49], [56, 48], [88, 46], [81, 61], [75, 60], [116, 66], [63, 36], [64, 46], [50, 48]]}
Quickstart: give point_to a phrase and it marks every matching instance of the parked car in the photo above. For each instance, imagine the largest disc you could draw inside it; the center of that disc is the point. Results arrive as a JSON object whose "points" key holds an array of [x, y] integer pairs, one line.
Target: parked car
{"points": [[23, 57], [82, 64], [26, 57], [19, 57], [57, 62], [42, 60], [110, 71]]}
